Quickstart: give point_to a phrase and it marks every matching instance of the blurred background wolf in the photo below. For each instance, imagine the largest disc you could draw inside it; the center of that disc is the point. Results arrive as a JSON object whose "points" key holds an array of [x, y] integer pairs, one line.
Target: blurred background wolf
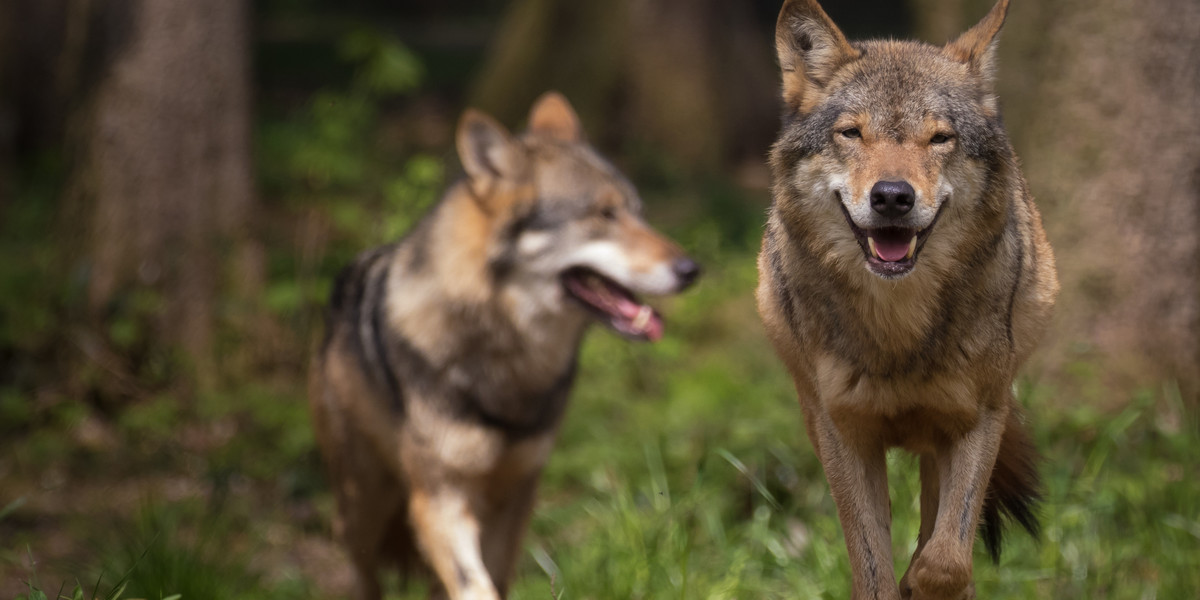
{"points": [[450, 355]]}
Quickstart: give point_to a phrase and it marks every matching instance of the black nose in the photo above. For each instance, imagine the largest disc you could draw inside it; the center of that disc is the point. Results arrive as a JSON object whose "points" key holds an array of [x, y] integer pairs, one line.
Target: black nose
{"points": [[892, 198], [687, 270]]}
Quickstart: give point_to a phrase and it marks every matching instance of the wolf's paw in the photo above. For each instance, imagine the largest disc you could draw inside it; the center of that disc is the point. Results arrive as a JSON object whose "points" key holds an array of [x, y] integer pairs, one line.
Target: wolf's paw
{"points": [[479, 593], [938, 576], [906, 591]]}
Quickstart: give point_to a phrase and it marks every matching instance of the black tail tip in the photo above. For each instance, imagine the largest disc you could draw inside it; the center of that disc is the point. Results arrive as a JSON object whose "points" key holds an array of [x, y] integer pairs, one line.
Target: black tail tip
{"points": [[1014, 491], [1000, 511]]}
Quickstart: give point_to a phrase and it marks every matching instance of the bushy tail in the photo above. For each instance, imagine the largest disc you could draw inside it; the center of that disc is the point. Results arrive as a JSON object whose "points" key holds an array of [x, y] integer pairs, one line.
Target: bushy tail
{"points": [[1015, 487]]}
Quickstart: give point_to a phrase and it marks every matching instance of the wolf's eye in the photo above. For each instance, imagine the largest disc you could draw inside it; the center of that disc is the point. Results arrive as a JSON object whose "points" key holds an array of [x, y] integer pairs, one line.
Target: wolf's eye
{"points": [[851, 133], [609, 213], [940, 138]]}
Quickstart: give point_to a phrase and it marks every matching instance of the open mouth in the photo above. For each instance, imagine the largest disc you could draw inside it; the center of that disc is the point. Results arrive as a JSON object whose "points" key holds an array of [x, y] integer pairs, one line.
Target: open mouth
{"points": [[891, 251], [614, 304]]}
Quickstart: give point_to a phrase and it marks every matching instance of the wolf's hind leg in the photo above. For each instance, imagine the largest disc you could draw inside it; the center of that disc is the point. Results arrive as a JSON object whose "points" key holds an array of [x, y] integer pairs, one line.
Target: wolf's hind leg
{"points": [[363, 524], [448, 531], [929, 507], [366, 580], [364, 534], [503, 532], [366, 495]]}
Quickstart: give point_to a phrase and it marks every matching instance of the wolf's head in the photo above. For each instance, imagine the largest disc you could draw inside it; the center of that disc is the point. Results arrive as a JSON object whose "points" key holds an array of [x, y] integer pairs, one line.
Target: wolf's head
{"points": [[889, 149], [570, 231]]}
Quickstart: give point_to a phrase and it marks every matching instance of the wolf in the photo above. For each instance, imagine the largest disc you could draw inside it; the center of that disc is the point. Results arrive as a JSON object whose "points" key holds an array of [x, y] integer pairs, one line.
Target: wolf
{"points": [[449, 355], [904, 276]]}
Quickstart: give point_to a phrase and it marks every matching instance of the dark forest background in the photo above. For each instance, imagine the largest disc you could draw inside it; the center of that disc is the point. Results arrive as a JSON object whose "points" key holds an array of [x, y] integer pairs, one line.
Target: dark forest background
{"points": [[180, 182]]}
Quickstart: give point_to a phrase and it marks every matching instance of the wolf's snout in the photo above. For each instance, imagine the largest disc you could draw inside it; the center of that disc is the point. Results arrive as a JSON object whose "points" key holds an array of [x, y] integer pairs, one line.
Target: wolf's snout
{"points": [[892, 198], [686, 270]]}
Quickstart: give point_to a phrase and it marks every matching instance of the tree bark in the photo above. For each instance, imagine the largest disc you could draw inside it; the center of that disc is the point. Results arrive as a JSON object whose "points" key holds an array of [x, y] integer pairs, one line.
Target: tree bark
{"points": [[32, 109], [166, 175], [8, 110]]}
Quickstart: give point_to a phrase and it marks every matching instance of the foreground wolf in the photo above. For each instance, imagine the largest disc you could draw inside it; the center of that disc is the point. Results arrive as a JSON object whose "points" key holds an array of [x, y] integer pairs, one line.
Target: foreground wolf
{"points": [[904, 276], [450, 354]]}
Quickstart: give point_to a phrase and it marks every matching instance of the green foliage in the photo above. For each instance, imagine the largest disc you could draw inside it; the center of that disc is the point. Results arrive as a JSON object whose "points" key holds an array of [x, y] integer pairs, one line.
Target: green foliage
{"points": [[387, 67], [329, 145], [115, 592], [275, 441], [34, 293], [78, 593], [333, 158]]}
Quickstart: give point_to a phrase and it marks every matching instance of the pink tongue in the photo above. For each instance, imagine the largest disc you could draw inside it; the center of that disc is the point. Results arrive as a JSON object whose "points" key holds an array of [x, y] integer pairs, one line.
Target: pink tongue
{"points": [[891, 250], [629, 309]]}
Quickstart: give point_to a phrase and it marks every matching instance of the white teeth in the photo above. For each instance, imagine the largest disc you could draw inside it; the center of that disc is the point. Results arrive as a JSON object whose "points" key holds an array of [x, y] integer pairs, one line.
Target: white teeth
{"points": [[871, 244], [912, 247], [643, 318]]}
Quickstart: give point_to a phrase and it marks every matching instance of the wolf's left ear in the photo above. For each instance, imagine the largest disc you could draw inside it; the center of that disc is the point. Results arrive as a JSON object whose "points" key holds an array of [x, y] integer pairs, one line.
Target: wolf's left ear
{"points": [[553, 117], [488, 153], [977, 47], [811, 49]]}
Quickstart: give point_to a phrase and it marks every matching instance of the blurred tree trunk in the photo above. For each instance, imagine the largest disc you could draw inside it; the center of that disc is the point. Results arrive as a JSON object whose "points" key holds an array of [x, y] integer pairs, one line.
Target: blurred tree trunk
{"points": [[695, 78], [165, 183], [38, 90], [8, 110], [32, 108], [1103, 100]]}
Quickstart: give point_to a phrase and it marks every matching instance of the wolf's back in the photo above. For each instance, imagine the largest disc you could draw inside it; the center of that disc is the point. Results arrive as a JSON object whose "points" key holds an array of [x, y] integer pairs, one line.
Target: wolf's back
{"points": [[355, 321]]}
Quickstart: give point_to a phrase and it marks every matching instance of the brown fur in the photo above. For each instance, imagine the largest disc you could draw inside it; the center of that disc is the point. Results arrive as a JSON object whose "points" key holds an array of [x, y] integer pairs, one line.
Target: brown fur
{"points": [[923, 359], [449, 355]]}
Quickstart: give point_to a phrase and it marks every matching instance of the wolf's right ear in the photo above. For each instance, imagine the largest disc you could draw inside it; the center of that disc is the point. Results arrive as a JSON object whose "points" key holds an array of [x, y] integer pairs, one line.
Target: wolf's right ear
{"points": [[553, 117], [810, 49], [487, 151], [977, 47]]}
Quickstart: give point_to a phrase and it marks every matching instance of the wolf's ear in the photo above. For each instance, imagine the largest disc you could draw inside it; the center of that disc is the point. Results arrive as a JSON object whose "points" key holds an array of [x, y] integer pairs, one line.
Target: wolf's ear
{"points": [[977, 47], [552, 116], [810, 48], [488, 153]]}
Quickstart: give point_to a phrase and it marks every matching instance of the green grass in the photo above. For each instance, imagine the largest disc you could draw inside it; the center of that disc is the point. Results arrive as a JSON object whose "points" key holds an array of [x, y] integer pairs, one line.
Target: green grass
{"points": [[682, 472]]}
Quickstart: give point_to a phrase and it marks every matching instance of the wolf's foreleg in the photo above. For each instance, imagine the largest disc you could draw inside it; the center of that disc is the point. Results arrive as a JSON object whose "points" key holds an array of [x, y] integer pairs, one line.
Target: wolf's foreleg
{"points": [[942, 571], [448, 531], [857, 476]]}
